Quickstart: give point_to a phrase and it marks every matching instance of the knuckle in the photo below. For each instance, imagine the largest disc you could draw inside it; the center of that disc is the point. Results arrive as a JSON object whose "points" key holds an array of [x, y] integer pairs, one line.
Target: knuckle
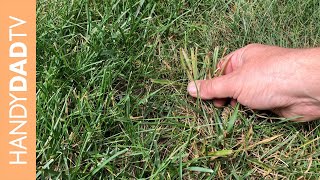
{"points": [[236, 86], [208, 88]]}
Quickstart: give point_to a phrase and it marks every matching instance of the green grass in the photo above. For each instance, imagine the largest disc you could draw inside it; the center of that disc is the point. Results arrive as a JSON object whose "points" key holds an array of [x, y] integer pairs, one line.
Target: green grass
{"points": [[111, 91]]}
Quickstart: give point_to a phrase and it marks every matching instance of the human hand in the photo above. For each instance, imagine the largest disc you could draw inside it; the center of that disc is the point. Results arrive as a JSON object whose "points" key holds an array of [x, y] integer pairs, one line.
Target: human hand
{"points": [[285, 81]]}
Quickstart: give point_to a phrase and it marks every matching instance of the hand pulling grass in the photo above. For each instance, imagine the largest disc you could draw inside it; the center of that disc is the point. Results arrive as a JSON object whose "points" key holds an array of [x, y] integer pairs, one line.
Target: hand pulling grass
{"points": [[190, 65]]}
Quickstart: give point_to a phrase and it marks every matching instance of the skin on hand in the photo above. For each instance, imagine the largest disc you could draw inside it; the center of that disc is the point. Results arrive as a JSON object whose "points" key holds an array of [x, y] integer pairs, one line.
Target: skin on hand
{"points": [[285, 81]]}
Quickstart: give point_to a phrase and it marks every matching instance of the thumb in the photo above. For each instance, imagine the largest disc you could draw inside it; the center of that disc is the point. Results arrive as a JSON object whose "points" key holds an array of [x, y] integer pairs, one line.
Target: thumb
{"points": [[219, 87]]}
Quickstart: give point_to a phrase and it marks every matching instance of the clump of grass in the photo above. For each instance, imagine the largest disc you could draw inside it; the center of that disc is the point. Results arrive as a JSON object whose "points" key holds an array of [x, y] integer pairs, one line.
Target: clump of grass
{"points": [[209, 63], [190, 64]]}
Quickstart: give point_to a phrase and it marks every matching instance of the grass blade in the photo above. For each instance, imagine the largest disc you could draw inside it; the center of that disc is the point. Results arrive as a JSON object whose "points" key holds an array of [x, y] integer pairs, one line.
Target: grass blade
{"points": [[104, 163], [186, 58], [182, 61], [194, 62], [221, 153], [233, 119], [200, 169]]}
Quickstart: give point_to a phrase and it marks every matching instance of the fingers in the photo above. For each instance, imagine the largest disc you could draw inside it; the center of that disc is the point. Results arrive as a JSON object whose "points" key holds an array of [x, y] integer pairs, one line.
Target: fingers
{"points": [[219, 87], [233, 102], [232, 61], [223, 101], [225, 64], [220, 102]]}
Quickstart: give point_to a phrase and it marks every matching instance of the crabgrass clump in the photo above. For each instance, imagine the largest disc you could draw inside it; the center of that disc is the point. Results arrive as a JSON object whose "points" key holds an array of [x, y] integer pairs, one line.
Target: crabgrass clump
{"points": [[190, 64]]}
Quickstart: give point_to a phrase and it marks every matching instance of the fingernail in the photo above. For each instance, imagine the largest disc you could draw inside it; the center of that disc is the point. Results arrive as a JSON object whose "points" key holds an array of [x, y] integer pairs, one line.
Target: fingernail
{"points": [[192, 88]]}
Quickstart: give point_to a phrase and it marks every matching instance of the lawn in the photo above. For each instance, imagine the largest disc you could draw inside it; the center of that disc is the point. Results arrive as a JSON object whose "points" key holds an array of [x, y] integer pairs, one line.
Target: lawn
{"points": [[111, 91]]}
